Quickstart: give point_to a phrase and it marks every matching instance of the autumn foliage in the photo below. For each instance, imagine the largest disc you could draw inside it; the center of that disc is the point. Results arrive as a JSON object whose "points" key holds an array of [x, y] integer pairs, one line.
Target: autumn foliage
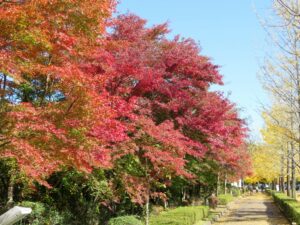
{"points": [[83, 97], [55, 106]]}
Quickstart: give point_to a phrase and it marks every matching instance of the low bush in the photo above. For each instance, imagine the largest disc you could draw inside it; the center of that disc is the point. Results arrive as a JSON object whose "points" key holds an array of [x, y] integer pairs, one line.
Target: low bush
{"points": [[289, 206], [269, 191], [180, 216], [236, 192], [125, 220], [224, 199], [156, 210], [41, 214]]}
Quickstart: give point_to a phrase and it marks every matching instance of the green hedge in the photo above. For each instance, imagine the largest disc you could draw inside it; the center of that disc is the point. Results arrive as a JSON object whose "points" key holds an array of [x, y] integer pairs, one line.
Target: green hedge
{"points": [[125, 220], [269, 191], [289, 206], [224, 199], [180, 216]]}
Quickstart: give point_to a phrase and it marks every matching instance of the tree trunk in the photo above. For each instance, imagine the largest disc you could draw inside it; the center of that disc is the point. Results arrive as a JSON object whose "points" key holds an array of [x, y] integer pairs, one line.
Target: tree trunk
{"points": [[293, 175], [183, 195], [296, 43], [148, 194], [46, 91], [282, 174], [10, 191], [281, 184], [288, 181], [147, 210], [2, 92], [193, 195], [165, 204], [225, 184], [218, 183]]}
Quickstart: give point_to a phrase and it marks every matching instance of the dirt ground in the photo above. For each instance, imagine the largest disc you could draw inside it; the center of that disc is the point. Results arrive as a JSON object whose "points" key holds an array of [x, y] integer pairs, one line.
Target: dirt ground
{"points": [[258, 209]]}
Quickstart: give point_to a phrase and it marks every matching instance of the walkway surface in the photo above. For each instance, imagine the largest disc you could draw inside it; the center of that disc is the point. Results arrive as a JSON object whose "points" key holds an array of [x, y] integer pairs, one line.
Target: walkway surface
{"points": [[258, 209]]}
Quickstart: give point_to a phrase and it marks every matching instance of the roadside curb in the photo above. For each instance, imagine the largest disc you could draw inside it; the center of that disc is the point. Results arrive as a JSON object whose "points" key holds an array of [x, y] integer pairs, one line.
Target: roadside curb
{"points": [[217, 214]]}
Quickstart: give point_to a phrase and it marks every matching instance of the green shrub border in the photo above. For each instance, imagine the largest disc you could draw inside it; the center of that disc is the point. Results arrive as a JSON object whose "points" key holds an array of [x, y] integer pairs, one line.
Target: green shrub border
{"points": [[289, 206], [225, 199], [125, 220], [188, 215]]}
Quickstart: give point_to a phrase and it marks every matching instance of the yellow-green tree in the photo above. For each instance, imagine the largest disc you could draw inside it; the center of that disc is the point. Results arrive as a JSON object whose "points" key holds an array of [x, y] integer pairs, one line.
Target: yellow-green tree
{"points": [[281, 78], [266, 163]]}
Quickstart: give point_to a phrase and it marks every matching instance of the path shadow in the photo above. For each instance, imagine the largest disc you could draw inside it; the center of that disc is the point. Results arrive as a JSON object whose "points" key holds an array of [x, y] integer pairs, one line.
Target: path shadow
{"points": [[255, 210]]}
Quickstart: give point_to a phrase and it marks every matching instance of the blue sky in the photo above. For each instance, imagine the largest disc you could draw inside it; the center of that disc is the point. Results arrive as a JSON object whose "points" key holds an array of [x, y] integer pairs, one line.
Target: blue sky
{"points": [[229, 33]]}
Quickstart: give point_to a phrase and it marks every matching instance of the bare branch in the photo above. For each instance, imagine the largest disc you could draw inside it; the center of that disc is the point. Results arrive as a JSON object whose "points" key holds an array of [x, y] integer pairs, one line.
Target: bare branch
{"points": [[289, 9]]}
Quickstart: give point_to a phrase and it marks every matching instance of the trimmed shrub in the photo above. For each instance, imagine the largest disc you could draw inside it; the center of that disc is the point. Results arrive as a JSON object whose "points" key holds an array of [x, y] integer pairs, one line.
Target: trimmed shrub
{"points": [[225, 199], [125, 220], [289, 206], [269, 191], [181, 216]]}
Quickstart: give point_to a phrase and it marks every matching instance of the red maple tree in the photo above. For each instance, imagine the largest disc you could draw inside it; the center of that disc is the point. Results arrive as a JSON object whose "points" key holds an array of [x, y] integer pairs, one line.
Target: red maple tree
{"points": [[166, 83], [85, 98]]}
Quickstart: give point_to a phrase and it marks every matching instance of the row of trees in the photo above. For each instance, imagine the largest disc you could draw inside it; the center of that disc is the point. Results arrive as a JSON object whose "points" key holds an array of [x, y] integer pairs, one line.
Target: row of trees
{"points": [[281, 78], [102, 115]]}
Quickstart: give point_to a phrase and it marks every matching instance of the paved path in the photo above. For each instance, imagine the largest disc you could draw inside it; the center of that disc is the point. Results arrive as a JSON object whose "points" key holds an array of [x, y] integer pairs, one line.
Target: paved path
{"points": [[258, 209]]}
